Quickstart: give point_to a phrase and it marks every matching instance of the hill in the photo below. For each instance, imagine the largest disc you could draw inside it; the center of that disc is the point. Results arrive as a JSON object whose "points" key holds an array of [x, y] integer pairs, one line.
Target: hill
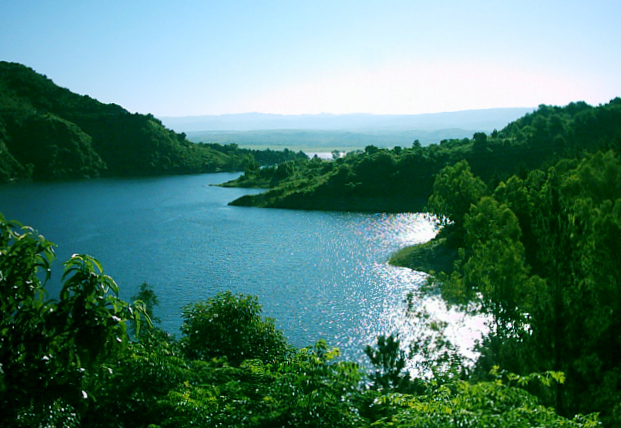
{"points": [[401, 179], [49, 132]]}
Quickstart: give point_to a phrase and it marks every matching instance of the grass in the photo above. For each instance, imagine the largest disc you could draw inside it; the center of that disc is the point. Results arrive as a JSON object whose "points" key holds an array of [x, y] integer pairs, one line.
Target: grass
{"points": [[432, 256]]}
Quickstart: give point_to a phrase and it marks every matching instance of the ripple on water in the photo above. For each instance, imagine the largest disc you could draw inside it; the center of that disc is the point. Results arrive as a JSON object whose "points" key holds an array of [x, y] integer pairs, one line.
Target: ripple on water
{"points": [[318, 274]]}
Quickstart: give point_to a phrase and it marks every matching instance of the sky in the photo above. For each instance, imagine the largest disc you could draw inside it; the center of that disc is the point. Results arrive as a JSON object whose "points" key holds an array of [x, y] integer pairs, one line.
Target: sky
{"points": [[204, 57]]}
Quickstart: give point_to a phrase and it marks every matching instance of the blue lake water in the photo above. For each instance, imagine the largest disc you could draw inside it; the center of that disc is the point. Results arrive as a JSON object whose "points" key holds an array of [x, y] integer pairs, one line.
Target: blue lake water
{"points": [[318, 274]]}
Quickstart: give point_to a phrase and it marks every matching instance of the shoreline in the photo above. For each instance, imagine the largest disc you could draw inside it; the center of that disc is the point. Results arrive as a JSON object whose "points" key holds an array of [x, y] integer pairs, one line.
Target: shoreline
{"points": [[431, 257]]}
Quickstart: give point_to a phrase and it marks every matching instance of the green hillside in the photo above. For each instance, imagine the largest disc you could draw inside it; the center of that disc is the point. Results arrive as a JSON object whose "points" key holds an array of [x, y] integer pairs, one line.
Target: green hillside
{"points": [[401, 179], [49, 132]]}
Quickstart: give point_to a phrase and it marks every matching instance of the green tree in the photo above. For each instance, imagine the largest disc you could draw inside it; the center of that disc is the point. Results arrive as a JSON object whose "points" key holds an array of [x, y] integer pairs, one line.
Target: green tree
{"points": [[482, 404], [316, 391], [479, 141], [575, 222], [553, 292], [389, 361], [252, 167], [136, 390], [53, 352], [231, 326], [495, 266], [455, 189], [146, 295]]}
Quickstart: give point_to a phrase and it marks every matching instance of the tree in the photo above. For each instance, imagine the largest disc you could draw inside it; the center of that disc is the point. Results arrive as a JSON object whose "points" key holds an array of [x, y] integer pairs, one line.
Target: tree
{"points": [[576, 317], [314, 390], [52, 352], [482, 404], [147, 296], [371, 150], [389, 360], [479, 141], [553, 292], [495, 266], [455, 189], [231, 326]]}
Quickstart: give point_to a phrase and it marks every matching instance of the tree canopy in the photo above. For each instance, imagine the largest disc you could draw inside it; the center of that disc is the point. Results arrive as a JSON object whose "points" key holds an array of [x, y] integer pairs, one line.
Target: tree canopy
{"points": [[70, 362], [402, 179], [48, 132], [540, 255]]}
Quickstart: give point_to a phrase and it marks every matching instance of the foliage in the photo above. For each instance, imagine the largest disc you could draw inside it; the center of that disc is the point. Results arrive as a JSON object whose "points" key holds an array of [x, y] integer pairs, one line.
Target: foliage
{"points": [[48, 132], [231, 326], [306, 389], [316, 391], [455, 190], [430, 257], [483, 404], [540, 256], [68, 362], [139, 381], [390, 361], [402, 179], [147, 297], [53, 352]]}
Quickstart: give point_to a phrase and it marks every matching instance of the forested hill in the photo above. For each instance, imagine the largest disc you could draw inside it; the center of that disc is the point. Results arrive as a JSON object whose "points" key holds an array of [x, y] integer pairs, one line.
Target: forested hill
{"points": [[401, 179], [49, 132]]}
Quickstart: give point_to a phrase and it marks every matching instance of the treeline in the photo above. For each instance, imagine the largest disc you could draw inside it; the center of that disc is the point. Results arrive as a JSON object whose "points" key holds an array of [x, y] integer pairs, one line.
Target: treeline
{"points": [[538, 252], [48, 132], [253, 159], [401, 179], [540, 255], [89, 359]]}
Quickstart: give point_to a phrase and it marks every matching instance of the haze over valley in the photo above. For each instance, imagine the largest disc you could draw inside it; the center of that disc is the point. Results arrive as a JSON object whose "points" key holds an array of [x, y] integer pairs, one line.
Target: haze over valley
{"points": [[327, 132]]}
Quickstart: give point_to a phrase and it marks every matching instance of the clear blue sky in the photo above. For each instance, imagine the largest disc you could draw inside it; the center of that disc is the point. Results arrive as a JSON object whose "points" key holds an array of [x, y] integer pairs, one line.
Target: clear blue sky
{"points": [[193, 57]]}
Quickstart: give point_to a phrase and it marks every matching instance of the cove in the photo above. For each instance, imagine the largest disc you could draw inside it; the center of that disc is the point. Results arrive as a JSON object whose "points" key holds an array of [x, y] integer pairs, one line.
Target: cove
{"points": [[318, 274]]}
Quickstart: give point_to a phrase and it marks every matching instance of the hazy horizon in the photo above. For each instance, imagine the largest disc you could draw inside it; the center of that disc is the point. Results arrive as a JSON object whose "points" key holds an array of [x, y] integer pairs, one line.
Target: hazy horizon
{"points": [[355, 113], [467, 120], [404, 57]]}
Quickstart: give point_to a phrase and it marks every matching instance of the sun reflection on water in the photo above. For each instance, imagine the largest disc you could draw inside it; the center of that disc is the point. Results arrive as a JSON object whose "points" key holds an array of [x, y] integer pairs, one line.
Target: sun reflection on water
{"points": [[392, 232], [317, 274]]}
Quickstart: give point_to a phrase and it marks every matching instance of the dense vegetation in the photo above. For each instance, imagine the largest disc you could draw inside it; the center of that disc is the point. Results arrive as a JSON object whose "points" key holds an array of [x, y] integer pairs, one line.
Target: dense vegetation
{"points": [[530, 219], [540, 256], [538, 252], [70, 362], [401, 179], [48, 132]]}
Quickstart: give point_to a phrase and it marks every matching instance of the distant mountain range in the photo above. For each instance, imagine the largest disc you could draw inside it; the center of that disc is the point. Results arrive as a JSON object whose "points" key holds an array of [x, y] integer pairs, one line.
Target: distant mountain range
{"points": [[485, 120], [325, 132]]}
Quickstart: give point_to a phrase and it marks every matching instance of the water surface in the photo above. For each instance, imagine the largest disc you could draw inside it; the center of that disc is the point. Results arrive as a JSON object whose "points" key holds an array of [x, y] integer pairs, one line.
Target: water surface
{"points": [[318, 274]]}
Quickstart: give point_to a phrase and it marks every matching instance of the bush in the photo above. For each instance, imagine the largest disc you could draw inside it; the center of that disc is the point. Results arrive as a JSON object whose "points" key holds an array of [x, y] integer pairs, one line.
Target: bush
{"points": [[230, 326]]}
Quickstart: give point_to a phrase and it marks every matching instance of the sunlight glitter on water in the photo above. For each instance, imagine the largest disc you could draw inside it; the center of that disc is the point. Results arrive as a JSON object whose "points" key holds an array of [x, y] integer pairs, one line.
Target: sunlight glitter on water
{"points": [[395, 232], [398, 230], [462, 330], [318, 274]]}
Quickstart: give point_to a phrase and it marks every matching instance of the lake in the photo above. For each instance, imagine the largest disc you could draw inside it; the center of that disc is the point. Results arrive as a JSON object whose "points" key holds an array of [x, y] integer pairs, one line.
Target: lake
{"points": [[318, 274]]}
